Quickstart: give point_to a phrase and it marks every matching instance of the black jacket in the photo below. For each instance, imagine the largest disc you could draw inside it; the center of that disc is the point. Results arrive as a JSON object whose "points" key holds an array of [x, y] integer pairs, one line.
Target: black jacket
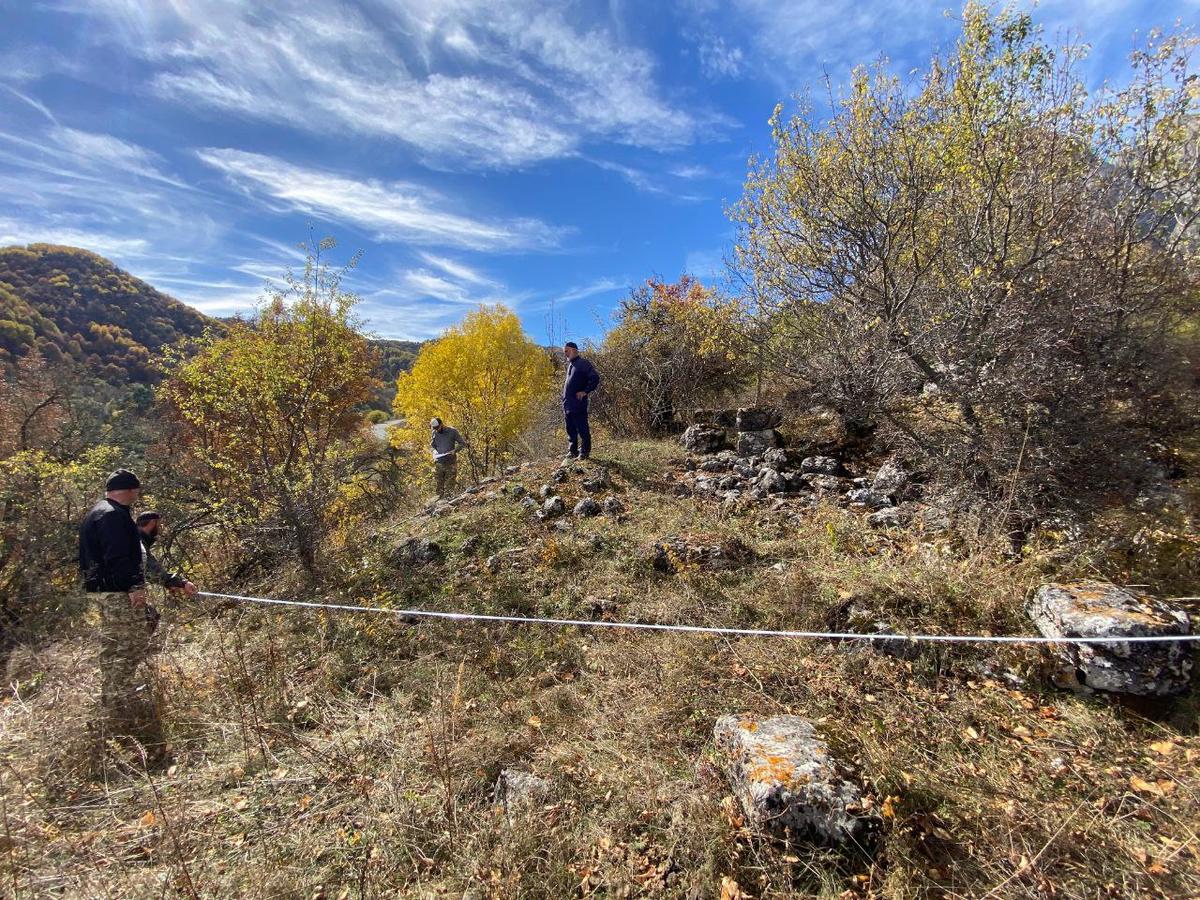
{"points": [[110, 549], [581, 376]]}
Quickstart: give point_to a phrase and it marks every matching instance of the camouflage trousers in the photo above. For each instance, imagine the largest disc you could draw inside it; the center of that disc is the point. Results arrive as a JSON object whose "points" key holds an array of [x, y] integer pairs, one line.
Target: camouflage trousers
{"points": [[126, 693], [445, 475]]}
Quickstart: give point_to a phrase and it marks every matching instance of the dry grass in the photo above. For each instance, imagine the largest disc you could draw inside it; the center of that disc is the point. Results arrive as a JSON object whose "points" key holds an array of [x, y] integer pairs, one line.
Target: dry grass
{"points": [[355, 756]]}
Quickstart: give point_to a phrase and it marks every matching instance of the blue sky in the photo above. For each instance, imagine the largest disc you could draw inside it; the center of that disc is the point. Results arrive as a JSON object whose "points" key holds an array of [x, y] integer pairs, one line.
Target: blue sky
{"points": [[543, 155]]}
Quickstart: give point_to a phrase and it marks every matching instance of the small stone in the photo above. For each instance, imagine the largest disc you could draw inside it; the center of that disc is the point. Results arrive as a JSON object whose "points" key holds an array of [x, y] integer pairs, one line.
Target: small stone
{"points": [[776, 458], [517, 491], [493, 564], [889, 517], [554, 506], [613, 506], [587, 507], [891, 479], [518, 791], [689, 465], [869, 498], [511, 470], [704, 439], [545, 491], [787, 783], [772, 482], [1099, 609], [716, 464], [826, 483], [470, 545], [528, 502], [820, 465], [755, 443], [559, 476], [420, 551], [674, 553]]}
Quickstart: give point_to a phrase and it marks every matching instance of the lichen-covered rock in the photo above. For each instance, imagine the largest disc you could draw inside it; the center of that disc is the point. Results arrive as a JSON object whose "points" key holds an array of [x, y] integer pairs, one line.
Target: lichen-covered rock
{"points": [[756, 418], [704, 439], [786, 781], [587, 507], [756, 443], [820, 465], [675, 553], [1099, 609], [518, 791]]}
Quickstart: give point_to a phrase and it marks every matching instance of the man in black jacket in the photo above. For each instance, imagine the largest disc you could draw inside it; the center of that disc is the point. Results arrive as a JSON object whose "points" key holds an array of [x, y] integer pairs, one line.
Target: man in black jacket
{"points": [[582, 379], [110, 560]]}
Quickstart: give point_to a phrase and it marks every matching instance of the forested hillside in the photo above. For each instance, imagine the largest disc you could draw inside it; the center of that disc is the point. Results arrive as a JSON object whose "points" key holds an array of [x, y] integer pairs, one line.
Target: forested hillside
{"points": [[74, 304]]}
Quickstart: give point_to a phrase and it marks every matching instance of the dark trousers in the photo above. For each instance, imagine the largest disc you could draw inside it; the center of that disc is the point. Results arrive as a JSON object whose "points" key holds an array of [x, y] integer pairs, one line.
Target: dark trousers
{"points": [[578, 432]]}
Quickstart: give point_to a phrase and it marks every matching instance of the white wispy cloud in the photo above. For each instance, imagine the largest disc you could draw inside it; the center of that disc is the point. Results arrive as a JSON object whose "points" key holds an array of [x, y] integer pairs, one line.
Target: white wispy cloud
{"points": [[392, 211], [592, 289], [465, 82]]}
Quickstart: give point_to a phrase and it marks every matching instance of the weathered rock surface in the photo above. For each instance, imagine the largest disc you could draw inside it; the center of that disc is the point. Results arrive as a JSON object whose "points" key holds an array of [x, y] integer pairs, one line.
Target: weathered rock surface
{"points": [[673, 553], [518, 791], [889, 517], [868, 497], [553, 506], [1100, 609], [587, 507], [613, 506], [419, 551], [756, 443], [787, 783], [704, 439], [891, 478]]}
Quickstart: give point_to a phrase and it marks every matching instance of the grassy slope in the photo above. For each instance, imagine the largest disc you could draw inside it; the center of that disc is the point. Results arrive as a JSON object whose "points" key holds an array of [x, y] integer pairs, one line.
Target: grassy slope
{"points": [[355, 756]]}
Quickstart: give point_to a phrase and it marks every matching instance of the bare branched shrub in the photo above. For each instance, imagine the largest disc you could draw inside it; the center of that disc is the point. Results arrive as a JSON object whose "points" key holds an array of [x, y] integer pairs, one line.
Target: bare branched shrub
{"points": [[989, 269]]}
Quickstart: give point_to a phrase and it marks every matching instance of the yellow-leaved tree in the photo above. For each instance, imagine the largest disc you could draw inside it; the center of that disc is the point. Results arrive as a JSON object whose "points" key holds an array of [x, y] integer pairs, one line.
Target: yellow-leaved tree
{"points": [[485, 377]]}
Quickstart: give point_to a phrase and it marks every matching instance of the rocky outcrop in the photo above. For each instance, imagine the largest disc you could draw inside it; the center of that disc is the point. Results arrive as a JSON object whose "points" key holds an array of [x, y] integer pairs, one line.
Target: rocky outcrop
{"points": [[820, 465], [676, 553], [1094, 609], [787, 783], [758, 418]]}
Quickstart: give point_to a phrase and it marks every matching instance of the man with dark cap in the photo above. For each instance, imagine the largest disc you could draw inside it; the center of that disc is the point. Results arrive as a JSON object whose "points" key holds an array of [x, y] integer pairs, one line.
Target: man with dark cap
{"points": [[148, 524], [110, 560], [582, 379]]}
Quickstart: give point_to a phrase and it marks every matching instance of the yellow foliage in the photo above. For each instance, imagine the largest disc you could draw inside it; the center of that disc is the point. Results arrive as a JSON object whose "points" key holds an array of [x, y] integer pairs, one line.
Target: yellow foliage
{"points": [[485, 377]]}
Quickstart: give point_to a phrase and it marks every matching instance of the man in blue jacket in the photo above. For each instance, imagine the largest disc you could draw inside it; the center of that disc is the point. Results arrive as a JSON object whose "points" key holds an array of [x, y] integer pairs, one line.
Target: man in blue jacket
{"points": [[582, 380]]}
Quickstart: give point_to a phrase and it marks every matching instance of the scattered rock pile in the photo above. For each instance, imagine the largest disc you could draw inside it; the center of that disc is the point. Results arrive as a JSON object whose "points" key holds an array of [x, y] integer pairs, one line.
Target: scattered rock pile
{"points": [[740, 455]]}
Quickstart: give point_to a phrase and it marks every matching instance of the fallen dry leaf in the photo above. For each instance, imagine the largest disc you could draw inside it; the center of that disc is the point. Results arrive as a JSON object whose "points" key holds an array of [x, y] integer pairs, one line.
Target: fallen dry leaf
{"points": [[148, 820]]}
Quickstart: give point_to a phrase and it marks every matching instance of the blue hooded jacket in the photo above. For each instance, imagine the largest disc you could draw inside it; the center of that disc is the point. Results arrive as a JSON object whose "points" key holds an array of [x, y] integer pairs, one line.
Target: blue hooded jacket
{"points": [[581, 376]]}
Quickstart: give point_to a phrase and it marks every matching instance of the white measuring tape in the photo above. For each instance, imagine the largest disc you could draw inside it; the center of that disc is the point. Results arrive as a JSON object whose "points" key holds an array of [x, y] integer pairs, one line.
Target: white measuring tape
{"points": [[701, 629]]}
